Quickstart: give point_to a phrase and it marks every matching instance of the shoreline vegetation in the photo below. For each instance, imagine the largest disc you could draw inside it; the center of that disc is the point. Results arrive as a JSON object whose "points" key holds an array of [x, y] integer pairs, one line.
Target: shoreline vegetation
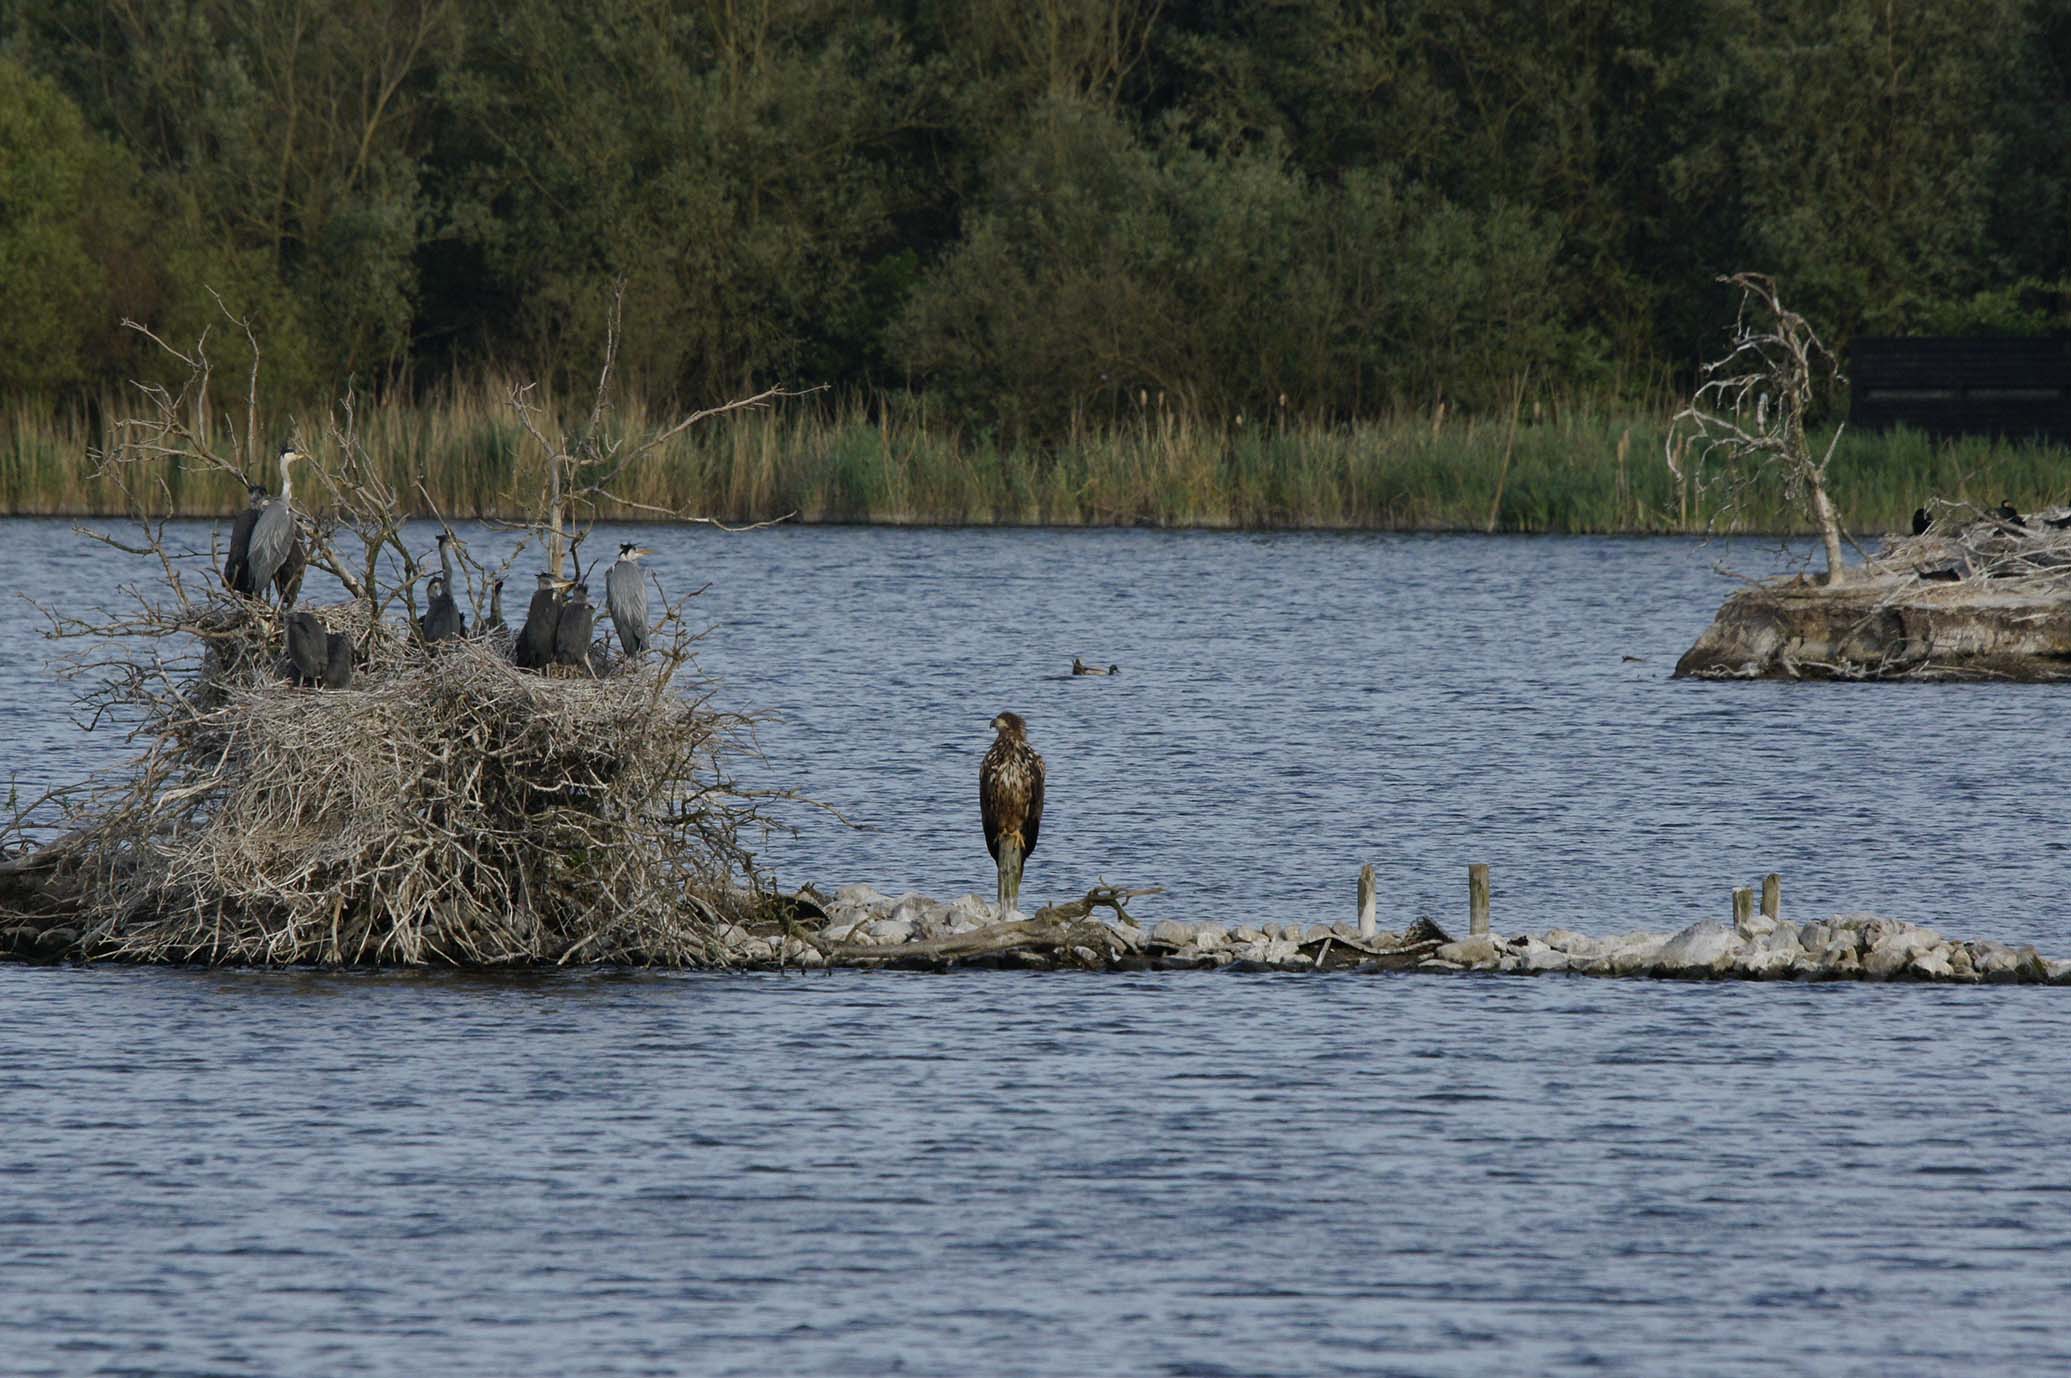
{"points": [[884, 459]]}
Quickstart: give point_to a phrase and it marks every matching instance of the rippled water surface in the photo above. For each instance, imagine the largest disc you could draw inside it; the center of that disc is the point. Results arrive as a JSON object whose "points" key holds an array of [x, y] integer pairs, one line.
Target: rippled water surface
{"points": [[295, 1173]]}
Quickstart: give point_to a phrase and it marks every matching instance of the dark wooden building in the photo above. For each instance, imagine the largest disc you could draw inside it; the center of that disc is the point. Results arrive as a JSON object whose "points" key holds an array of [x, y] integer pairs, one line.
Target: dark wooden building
{"points": [[2017, 386]]}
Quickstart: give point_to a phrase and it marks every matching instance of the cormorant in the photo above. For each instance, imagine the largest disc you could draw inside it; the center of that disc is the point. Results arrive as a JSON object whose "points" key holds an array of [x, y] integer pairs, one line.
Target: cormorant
{"points": [[2006, 513], [1921, 521], [237, 568], [625, 596], [442, 620], [1010, 802], [535, 646], [495, 621]]}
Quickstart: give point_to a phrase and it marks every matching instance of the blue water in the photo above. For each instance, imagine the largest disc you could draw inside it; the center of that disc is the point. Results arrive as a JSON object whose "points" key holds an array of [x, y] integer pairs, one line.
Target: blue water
{"points": [[612, 1173]]}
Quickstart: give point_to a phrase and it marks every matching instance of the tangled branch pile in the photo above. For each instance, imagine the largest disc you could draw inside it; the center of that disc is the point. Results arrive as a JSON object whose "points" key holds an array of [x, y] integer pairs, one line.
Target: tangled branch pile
{"points": [[446, 808], [1964, 542]]}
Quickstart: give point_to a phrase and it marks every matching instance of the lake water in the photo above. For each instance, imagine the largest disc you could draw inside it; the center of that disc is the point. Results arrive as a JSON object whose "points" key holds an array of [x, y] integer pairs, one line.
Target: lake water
{"points": [[612, 1173]]}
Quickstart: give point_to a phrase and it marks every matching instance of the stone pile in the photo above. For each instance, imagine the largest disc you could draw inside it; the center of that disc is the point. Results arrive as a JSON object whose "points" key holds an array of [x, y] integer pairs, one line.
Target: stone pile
{"points": [[859, 926]]}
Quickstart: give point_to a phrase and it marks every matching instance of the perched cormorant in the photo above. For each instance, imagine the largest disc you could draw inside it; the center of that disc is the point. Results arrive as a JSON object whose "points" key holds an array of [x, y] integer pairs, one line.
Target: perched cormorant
{"points": [[1080, 667], [572, 636], [1921, 521], [1010, 802], [442, 620], [2006, 513], [237, 576], [274, 554], [495, 621], [535, 646], [625, 596], [307, 650]]}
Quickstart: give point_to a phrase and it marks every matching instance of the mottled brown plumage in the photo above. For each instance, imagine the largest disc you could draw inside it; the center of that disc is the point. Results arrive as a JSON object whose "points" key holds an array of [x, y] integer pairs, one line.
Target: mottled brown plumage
{"points": [[1010, 800]]}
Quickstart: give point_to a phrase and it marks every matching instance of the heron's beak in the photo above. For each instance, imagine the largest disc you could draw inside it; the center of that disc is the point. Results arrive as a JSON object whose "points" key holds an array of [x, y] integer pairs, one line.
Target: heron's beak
{"points": [[644, 550]]}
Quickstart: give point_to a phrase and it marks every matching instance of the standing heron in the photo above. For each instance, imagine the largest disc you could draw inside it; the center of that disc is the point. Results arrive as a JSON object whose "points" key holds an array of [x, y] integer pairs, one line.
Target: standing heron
{"points": [[572, 636], [276, 541], [442, 620], [625, 595], [1010, 801], [237, 568], [535, 647]]}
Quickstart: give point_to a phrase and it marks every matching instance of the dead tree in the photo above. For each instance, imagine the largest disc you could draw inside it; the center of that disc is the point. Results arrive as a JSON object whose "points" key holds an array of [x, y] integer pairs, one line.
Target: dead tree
{"points": [[1746, 422], [583, 462]]}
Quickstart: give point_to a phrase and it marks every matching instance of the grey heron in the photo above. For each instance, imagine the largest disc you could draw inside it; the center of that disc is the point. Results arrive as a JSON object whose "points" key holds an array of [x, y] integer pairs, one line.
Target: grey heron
{"points": [[307, 650], [237, 567], [276, 540], [535, 645], [442, 620], [625, 596], [337, 661], [572, 636]]}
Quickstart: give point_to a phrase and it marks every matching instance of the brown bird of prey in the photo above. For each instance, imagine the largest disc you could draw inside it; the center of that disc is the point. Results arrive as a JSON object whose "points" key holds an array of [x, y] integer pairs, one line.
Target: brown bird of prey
{"points": [[1010, 800]]}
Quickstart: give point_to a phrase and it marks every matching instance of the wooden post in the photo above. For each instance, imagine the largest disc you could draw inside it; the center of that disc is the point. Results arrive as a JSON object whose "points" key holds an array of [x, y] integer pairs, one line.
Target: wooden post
{"points": [[1478, 898], [1743, 905], [1366, 928], [1772, 895]]}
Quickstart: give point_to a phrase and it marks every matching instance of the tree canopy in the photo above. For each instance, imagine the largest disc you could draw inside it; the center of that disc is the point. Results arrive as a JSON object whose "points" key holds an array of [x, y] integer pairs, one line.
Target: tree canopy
{"points": [[1032, 210]]}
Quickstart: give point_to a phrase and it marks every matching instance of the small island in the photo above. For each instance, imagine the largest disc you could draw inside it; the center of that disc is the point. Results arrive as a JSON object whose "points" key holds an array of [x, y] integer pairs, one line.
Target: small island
{"points": [[1976, 595]]}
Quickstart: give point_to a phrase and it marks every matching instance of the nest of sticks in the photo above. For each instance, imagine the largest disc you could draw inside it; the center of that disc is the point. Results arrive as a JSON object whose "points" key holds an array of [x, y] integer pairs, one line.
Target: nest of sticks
{"points": [[445, 808], [1964, 542]]}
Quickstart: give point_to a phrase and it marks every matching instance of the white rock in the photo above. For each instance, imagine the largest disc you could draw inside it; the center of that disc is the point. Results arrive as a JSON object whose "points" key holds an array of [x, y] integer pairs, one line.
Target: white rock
{"points": [[1209, 937], [1636, 952], [1896, 946], [1280, 952], [859, 897], [1477, 950], [886, 932], [1703, 947], [1813, 937], [1933, 964], [1317, 932], [1537, 957], [1565, 940], [1172, 933], [1248, 933], [841, 932], [972, 907], [1756, 925]]}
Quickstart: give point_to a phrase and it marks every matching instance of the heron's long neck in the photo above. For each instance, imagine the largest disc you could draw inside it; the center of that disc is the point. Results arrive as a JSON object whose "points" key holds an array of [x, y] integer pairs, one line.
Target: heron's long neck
{"points": [[287, 484]]}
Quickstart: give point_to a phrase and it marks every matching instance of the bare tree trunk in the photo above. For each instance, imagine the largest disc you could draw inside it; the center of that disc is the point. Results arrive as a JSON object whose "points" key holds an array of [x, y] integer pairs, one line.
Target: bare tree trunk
{"points": [[1829, 533]]}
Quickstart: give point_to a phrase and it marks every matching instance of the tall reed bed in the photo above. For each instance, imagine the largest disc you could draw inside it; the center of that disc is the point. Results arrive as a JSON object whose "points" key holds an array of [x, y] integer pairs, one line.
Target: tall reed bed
{"points": [[889, 458]]}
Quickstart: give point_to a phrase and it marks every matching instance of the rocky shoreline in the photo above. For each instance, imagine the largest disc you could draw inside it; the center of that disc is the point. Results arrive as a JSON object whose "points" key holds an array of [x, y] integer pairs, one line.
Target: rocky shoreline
{"points": [[859, 927]]}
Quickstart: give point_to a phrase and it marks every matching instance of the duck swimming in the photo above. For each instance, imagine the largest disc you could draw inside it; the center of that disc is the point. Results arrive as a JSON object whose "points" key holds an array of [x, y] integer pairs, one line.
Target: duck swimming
{"points": [[1080, 667]]}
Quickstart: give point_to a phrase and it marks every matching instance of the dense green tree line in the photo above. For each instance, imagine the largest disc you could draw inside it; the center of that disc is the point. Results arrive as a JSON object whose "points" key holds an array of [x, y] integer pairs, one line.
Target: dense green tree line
{"points": [[1035, 211]]}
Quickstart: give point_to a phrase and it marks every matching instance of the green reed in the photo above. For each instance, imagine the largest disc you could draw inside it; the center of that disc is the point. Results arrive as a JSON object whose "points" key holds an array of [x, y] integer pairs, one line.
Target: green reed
{"points": [[1579, 466]]}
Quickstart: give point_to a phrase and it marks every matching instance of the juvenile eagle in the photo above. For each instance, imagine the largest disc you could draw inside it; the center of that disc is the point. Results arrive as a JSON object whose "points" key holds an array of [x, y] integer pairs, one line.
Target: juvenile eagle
{"points": [[1010, 800]]}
